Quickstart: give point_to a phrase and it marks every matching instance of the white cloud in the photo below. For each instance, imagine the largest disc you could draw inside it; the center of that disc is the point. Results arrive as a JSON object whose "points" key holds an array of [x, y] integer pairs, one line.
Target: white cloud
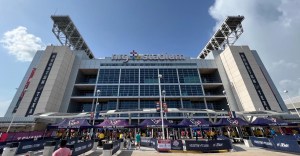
{"points": [[4, 106], [21, 44], [284, 64], [272, 28]]}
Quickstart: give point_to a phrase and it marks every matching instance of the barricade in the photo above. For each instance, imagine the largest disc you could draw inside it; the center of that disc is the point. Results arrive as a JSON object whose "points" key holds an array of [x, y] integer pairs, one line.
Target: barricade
{"points": [[10, 149], [82, 147], [26, 146], [107, 149], [49, 148], [277, 143]]}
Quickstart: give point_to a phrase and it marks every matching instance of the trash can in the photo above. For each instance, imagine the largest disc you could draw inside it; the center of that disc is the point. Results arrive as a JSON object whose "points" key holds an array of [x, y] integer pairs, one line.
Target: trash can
{"points": [[107, 149], [10, 149], [49, 148]]}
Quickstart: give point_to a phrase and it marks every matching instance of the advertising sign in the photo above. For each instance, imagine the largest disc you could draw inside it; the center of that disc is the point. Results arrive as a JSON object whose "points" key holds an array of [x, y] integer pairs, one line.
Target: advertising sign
{"points": [[176, 145], [206, 146], [163, 145]]}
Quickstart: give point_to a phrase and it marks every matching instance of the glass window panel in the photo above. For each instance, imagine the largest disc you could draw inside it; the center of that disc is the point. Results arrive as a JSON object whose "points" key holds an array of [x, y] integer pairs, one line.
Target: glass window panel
{"points": [[149, 90], [148, 104], [129, 76], [149, 76], [129, 90], [191, 90], [108, 90], [108, 76], [168, 75], [188, 76], [171, 90], [130, 104]]}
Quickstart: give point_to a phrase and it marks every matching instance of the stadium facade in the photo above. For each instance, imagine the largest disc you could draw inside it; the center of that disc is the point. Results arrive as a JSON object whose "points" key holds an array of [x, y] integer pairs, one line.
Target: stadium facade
{"points": [[65, 79]]}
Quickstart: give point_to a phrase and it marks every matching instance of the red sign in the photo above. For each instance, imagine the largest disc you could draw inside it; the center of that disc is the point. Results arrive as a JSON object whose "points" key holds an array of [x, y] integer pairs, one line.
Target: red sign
{"points": [[163, 145]]}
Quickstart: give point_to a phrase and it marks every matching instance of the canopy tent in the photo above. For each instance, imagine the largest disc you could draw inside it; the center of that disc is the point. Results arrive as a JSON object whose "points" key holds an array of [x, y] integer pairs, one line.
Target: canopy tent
{"points": [[231, 122], [72, 123], [113, 123], [270, 121], [155, 123], [194, 123]]}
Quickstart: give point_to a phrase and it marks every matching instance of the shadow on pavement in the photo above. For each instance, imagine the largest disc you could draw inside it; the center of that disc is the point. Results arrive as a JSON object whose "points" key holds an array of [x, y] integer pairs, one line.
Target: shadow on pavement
{"points": [[126, 153], [238, 149]]}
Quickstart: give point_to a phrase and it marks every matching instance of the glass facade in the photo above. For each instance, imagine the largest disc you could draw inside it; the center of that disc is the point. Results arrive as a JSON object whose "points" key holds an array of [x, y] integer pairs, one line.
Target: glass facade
{"points": [[137, 87]]}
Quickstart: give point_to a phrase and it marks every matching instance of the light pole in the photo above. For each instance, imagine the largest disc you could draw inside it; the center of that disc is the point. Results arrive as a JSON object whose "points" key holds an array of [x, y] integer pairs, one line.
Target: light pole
{"points": [[97, 103], [164, 94], [285, 91], [224, 93], [15, 110], [161, 110]]}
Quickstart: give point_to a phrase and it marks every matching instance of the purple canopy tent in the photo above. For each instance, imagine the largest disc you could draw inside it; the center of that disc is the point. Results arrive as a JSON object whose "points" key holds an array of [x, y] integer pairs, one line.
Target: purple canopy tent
{"points": [[72, 123], [113, 123], [194, 123], [270, 121], [155, 123], [231, 122]]}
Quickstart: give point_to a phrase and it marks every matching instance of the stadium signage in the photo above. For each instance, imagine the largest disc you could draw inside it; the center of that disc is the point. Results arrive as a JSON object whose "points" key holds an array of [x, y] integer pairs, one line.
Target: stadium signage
{"points": [[135, 56]]}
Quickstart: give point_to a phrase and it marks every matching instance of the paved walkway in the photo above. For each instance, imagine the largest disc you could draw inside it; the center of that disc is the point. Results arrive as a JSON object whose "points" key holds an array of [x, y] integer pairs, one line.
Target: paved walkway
{"points": [[240, 150]]}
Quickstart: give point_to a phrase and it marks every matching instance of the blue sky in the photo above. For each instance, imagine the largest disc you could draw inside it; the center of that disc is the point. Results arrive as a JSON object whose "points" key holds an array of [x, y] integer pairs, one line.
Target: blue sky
{"points": [[153, 26]]}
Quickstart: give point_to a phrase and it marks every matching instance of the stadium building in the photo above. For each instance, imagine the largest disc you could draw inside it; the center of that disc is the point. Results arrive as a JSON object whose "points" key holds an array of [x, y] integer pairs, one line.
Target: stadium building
{"points": [[68, 79]]}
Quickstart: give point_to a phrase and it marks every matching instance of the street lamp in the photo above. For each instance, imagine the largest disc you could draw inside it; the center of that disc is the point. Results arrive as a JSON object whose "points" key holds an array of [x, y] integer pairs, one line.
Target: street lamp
{"points": [[161, 110], [285, 91]]}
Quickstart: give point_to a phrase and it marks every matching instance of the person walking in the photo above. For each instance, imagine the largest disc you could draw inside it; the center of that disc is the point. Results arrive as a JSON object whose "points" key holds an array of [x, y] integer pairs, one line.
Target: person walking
{"points": [[138, 140], [63, 150]]}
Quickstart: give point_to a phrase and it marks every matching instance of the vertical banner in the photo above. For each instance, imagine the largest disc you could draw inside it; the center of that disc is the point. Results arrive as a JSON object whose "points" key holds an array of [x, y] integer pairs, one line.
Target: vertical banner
{"points": [[41, 85]]}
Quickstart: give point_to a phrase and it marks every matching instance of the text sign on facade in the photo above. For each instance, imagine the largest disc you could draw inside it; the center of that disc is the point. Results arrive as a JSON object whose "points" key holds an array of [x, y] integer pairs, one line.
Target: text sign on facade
{"points": [[145, 57], [41, 85]]}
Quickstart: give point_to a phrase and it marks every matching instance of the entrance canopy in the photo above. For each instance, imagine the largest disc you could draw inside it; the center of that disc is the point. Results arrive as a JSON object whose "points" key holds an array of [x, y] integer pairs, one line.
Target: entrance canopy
{"points": [[113, 123], [72, 123], [231, 122], [194, 123]]}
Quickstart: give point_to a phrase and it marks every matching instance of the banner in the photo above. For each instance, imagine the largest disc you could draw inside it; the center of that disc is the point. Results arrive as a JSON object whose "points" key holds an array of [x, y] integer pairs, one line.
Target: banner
{"points": [[26, 146], [146, 141], [277, 143], [176, 145], [206, 146], [82, 147], [116, 147]]}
